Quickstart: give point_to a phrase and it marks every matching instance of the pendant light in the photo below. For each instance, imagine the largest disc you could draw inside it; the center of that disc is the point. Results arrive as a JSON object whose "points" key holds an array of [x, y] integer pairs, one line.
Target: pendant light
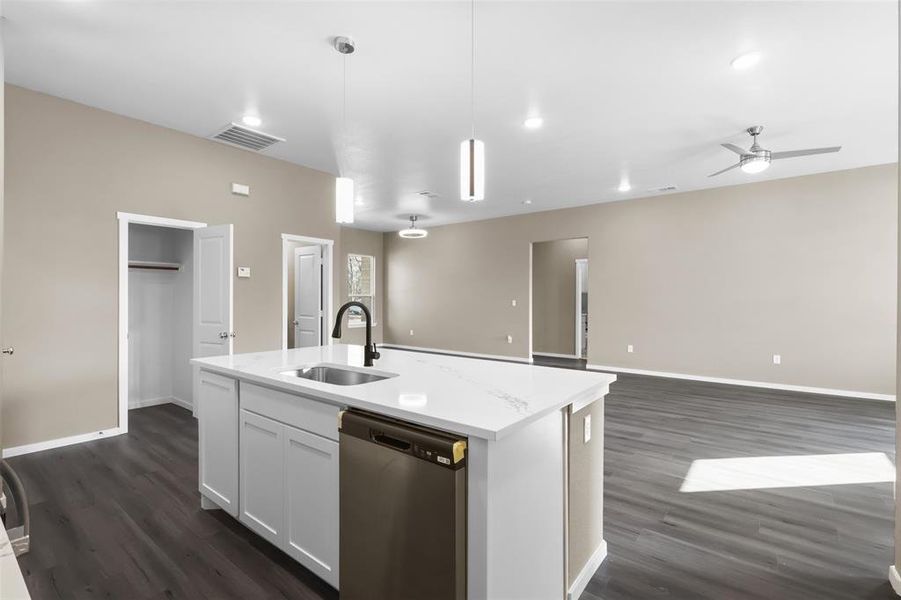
{"points": [[472, 151], [413, 232], [344, 186]]}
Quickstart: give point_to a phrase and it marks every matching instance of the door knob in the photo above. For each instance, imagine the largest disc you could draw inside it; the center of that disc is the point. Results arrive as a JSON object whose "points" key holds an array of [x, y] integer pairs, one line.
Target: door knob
{"points": [[9, 350], [232, 334], [223, 335]]}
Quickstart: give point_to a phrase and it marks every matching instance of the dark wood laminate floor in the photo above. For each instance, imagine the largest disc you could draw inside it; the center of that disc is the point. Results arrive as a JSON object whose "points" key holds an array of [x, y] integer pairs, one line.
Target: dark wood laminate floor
{"points": [[120, 518]]}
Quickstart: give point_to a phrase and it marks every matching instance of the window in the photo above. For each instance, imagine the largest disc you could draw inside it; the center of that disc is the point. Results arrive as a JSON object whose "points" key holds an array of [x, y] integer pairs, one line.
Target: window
{"points": [[360, 287]]}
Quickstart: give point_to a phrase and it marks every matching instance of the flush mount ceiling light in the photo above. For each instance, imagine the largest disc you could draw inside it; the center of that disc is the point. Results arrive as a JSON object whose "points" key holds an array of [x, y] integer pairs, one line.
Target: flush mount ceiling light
{"points": [[624, 186], [533, 123], [251, 120], [344, 186], [472, 151], [413, 232], [745, 61]]}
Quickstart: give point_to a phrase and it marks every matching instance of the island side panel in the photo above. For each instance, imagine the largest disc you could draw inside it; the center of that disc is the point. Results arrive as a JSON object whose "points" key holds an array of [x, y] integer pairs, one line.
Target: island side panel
{"points": [[516, 517], [587, 548]]}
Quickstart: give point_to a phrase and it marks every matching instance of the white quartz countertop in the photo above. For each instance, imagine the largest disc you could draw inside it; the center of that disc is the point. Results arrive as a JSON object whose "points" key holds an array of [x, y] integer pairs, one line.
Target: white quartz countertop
{"points": [[474, 397], [12, 584]]}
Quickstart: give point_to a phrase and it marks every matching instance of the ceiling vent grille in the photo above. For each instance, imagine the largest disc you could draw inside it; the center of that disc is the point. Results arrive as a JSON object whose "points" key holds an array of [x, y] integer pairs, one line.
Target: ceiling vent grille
{"points": [[236, 135], [667, 188]]}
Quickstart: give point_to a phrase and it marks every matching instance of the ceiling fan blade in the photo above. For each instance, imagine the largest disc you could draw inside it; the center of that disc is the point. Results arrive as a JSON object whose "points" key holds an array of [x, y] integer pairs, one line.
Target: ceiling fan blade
{"points": [[735, 149], [724, 170], [808, 152]]}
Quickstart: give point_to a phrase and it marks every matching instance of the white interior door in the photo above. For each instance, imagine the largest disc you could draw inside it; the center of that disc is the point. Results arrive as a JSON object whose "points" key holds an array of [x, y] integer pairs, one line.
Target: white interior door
{"points": [[213, 286], [308, 296]]}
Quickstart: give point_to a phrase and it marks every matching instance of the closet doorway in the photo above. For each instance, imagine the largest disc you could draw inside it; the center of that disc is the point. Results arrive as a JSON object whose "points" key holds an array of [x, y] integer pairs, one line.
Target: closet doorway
{"points": [[306, 291], [175, 303], [559, 299]]}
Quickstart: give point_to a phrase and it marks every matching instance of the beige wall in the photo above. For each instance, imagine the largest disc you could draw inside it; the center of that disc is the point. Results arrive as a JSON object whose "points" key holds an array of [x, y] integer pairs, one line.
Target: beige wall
{"points": [[72, 168], [586, 487], [554, 294], [353, 241], [708, 283], [898, 404], [359, 241]]}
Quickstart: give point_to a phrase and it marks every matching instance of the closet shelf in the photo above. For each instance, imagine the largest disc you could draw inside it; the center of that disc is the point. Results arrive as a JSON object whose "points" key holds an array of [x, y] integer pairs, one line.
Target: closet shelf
{"points": [[154, 265]]}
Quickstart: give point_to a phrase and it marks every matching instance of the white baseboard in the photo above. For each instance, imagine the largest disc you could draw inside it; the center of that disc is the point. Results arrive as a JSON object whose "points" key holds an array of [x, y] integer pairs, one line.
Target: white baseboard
{"points": [[158, 401], [552, 355], [894, 579], [61, 442], [456, 353], [585, 575], [182, 403], [757, 384]]}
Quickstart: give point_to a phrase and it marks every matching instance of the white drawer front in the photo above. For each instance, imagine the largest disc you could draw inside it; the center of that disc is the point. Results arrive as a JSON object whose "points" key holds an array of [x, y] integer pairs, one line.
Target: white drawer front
{"points": [[304, 413]]}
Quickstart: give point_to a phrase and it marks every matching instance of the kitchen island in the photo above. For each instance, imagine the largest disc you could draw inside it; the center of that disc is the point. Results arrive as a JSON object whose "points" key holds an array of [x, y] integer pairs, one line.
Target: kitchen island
{"points": [[534, 469]]}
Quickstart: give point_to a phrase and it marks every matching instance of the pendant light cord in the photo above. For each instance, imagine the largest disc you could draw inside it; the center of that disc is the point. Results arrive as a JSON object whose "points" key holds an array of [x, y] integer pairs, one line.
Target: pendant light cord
{"points": [[344, 111], [472, 67]]}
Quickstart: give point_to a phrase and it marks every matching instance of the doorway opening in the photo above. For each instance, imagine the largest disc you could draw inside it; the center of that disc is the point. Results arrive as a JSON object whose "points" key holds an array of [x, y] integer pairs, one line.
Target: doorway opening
{"points": [[175, 303], [559, 299], [306, 291]]}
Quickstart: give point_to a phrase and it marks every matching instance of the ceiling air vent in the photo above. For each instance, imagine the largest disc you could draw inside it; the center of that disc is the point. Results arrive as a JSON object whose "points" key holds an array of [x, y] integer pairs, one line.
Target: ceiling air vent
{"points": [[667, 188], [240, 136]]}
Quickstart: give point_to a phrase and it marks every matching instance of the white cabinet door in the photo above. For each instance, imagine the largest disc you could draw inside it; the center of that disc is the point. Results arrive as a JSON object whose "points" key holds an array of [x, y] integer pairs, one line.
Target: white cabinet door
{"points": [[311, 496], [263, 476], [218, 440]]}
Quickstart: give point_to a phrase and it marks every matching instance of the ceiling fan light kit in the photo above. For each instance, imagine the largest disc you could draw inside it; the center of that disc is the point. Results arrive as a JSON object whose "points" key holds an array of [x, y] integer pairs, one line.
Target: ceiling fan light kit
{"points": [[757, 159], [413, 232]]}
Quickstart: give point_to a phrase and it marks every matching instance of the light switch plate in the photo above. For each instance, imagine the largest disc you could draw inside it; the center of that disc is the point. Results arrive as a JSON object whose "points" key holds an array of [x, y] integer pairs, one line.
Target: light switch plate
{"points": [[509, 339], [239, 189], [777, 359], [587, 429], [630, 349], [513, 303], [411, 332], [243, 271]]}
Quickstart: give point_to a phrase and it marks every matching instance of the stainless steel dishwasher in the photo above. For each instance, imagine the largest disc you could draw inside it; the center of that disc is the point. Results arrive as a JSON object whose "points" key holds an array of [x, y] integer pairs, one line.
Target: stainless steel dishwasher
{"points": [[403, 511]]}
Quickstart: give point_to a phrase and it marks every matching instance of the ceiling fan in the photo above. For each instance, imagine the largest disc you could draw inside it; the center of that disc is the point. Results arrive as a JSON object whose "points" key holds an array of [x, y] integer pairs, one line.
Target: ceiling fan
{"points": [[756, 158]]}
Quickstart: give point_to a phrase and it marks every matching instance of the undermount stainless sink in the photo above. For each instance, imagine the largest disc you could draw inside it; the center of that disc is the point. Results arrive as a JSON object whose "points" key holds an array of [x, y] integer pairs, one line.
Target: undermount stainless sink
{"points": [[335, 375]]}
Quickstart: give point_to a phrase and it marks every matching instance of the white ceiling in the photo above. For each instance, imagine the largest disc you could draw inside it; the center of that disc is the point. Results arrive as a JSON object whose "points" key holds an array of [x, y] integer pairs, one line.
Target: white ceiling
{"points": [[634, 89]]}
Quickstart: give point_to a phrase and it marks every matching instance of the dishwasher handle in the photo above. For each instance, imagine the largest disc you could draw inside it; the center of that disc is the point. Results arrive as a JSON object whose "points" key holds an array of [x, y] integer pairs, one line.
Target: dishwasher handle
{"points": [[384, 439]]}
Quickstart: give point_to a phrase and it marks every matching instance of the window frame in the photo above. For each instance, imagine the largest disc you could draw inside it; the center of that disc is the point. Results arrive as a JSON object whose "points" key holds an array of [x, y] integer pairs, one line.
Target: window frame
{"points": [[355, 323]]}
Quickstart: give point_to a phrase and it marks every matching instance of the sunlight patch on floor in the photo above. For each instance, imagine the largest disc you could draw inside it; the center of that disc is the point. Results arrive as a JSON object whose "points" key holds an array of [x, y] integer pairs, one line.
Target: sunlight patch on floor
{"points": [[763, 472]]}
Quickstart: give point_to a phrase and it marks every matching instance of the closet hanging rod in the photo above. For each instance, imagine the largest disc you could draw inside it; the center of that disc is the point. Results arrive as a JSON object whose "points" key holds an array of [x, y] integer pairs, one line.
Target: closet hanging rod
{"points": [[153, 265]]}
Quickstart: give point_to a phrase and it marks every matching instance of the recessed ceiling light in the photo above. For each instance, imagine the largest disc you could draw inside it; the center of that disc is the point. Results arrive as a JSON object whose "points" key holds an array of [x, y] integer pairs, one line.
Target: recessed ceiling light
{"points": [[526, 202], [745, 61], [533, 122], [252, 120], [624, 186]]}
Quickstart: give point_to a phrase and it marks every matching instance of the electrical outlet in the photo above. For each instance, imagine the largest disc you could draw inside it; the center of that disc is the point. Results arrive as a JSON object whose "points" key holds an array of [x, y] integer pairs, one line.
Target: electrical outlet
{"points": [[411, 332], [513, 303], [777, 359], [587, 429], [509, 339], [630, 349]]}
